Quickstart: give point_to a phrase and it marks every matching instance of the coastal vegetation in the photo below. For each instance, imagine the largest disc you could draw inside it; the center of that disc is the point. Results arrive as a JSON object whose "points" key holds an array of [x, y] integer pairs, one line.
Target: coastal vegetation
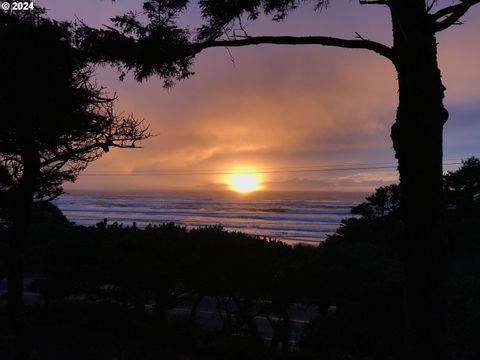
{"points": [[380, 284], [63, 122], [163, 42], [115, 291]]}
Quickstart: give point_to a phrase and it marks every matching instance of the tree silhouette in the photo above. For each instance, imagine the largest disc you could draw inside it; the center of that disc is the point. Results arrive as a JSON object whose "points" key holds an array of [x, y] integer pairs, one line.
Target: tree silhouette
{"points": [[55, 120], [385, 202], [160, 46], [463, 188]]}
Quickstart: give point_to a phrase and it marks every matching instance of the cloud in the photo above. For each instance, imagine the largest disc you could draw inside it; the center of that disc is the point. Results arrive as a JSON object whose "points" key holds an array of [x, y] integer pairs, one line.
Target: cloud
{"points": [[252, 108], [459, 54], [278, 106]]}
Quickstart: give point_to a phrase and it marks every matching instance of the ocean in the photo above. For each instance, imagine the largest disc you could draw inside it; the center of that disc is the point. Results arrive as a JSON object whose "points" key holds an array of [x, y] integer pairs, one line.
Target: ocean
{"points": [[305, 217]]}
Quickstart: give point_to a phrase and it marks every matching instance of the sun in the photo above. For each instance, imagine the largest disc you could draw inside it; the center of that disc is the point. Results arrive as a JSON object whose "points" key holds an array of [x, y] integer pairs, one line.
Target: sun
{"points": [[244, 182]]}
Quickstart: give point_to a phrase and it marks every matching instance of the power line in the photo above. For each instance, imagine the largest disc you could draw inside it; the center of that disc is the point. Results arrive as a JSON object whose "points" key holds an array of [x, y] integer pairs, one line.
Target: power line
{"points": [[262, 169], [320, 168], [258, 170]]}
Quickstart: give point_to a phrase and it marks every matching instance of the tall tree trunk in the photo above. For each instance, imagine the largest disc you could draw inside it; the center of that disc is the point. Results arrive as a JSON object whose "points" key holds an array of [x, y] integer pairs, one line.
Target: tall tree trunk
{"points": [[21, 216], [417, 138], [21, 340]]}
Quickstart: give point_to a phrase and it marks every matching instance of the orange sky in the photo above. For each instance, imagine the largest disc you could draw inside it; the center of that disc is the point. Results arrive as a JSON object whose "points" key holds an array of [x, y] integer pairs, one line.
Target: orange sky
{"points": [[280, 106]]}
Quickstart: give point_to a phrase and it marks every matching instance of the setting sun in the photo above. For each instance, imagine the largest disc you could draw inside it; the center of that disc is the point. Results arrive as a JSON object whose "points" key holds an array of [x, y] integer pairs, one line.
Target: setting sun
{"points": [[244, 182]]}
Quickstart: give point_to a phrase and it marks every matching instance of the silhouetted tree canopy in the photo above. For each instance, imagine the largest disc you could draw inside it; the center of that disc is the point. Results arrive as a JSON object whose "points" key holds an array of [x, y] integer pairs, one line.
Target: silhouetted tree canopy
{"points": [[53, 114], [384, 202], [138, 276], [462, 195], [463, 187], [54, 121], [159, 46], [156, 43]]}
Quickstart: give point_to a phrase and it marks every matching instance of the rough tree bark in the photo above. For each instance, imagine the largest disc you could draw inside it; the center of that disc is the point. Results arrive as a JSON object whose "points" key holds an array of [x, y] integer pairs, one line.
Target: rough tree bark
{"points": [[417, 138]]}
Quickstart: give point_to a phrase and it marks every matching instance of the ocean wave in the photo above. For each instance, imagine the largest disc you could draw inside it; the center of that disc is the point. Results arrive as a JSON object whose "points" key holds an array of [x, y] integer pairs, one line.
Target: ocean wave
{"points": [[292, 220], [212, 217]]}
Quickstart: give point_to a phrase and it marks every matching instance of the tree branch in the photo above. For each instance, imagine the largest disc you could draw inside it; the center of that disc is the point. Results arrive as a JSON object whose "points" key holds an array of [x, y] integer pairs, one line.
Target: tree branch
{"points": [[451, 14], [430, 6], [379, 48]]}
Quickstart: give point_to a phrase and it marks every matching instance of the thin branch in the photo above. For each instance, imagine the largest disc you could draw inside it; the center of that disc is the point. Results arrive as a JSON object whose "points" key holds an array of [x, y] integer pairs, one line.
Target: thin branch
{"points": [[379, 48], [358, 36], [232, 59], [430, 6], [451, 14], [242, 28]]}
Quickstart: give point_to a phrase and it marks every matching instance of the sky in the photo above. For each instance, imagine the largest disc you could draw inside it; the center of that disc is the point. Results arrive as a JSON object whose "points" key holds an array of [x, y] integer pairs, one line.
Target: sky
{"points": [[279, 108]]}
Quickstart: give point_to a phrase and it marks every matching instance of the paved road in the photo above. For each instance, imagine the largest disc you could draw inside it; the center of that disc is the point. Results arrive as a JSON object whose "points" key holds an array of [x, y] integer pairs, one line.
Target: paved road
{"points": [[207, 314]]}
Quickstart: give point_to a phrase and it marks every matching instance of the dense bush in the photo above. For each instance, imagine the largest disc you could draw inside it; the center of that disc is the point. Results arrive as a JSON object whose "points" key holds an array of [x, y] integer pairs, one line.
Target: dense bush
{"points": [[120, 284], [360, 272], [156, 269]]}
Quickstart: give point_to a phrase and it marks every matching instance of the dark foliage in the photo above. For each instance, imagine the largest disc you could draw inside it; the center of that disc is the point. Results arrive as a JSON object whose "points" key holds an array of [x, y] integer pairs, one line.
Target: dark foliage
{"points": [[159, 46], [54, 115], [151, 271], [55, 120], [462, 195], [360, 272], [119, 285], [358, 284], [384, 203], [462, 188]]}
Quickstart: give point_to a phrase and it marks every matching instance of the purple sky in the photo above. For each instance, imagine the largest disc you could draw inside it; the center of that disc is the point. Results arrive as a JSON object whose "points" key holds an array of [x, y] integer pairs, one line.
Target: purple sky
{"points": [[281, 106]]}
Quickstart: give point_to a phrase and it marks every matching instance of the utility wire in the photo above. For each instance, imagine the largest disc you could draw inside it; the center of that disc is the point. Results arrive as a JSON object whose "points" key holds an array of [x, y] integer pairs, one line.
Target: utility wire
{"points": [[319, 168], [261, 169]]}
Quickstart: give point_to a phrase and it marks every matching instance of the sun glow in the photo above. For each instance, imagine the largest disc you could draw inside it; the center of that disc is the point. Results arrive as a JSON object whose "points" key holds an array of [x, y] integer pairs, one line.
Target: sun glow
{"points": [[244, 181]]}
